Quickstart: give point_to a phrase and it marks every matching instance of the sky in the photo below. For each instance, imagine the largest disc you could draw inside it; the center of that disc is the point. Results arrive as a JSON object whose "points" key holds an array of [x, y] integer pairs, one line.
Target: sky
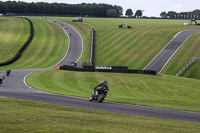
{"points": [[150, 7]]}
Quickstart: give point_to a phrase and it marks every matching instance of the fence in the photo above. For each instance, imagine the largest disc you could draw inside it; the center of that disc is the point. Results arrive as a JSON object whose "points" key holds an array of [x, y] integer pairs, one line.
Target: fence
{"points": [[188, 65], [92, 48], [18, 55]]}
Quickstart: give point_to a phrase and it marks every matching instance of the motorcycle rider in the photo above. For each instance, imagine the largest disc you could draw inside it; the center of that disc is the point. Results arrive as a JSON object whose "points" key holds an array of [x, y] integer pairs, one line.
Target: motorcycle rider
{"points": [[8, 71], [102, 86], [2, 78]]}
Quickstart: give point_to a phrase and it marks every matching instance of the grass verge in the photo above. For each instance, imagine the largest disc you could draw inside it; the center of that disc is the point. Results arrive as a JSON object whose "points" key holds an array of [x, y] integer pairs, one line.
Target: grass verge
{"points": [[24, 116], [156, 91]]}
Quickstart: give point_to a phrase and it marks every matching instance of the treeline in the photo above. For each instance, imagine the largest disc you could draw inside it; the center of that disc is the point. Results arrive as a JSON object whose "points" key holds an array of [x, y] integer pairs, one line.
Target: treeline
{"points": [[95, 10], [187, 15]]}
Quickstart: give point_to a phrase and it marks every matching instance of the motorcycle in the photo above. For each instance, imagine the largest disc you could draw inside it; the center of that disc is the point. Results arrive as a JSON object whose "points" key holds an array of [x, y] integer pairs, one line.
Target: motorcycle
{"points": [[2, 78], [8, 72], [99, 95]]}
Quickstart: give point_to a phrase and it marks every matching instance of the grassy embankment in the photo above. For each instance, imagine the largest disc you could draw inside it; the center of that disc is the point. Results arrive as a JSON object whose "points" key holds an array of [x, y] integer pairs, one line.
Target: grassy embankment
{"points": [[23, 116], [184, 55], [14, 33], [137, 46], [193, 71], [134, 47], [156, 91], [47, 48]]}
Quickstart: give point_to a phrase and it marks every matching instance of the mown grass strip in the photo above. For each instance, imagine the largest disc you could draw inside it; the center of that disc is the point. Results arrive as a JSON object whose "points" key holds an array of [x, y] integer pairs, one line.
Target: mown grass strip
{"points": [[156, 91], [25, 116]]}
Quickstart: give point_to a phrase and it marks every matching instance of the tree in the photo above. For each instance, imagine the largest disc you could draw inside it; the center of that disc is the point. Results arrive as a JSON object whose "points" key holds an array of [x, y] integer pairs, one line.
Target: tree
{"points": [[111, 13], [138, 14], [129, 12], [119, 10], [171, 14], [163, 14], [98, 10]]}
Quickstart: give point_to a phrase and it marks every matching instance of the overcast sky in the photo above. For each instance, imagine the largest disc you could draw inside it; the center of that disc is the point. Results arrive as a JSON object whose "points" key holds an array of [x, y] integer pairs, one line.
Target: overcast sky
{"points": [[150, 7]]}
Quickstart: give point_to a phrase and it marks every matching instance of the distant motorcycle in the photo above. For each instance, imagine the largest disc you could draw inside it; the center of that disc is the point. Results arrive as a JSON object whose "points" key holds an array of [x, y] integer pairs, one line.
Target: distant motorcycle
{"points": [[2, 78], [99, 95], [8, 72]]}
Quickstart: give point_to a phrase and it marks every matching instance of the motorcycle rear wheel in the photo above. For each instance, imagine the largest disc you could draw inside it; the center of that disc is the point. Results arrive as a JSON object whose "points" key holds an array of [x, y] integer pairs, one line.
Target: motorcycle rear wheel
{"points": [[91, 99], [101, 97]]}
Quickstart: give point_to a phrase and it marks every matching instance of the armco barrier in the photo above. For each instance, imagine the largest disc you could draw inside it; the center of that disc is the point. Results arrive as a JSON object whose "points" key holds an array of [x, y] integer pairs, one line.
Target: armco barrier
{"points": [[188, 65], [18, 55], [92, 48], [110, 69]]}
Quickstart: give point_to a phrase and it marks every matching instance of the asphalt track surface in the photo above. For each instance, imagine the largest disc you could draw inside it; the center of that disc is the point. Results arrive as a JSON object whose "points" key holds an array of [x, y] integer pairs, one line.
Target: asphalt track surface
{"points": [[159, 62], [15, 87]]}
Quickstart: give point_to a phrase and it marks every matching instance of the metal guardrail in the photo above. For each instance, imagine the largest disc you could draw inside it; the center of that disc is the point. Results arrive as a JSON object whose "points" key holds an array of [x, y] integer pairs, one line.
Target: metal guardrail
{"points": [[92, 48], [188, 65], [81, 64]]}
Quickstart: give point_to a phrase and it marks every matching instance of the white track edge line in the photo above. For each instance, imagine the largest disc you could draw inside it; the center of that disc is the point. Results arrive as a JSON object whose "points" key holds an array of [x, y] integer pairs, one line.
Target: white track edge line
{"points": [[173, 54], [163, 49]]}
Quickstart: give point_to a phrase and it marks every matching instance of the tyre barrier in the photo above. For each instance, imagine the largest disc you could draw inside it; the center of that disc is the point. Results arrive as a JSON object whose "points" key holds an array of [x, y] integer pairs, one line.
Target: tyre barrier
{"points": [[18, 55], [110, 69]]}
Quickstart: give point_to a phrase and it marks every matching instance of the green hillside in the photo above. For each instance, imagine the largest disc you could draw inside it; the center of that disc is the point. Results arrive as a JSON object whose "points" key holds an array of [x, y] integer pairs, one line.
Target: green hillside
{"points": [[14, 33], [134, 47], [47, 48]]}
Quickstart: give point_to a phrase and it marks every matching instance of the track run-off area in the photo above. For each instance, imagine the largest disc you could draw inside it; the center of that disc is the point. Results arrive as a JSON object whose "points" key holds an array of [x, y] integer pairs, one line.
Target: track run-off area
{"points": [[15, 86]]}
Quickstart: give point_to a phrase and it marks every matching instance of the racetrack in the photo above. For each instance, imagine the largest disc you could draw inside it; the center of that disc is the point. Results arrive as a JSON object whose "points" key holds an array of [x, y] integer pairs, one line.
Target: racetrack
{"points": [[14, 87], [159, 62]]}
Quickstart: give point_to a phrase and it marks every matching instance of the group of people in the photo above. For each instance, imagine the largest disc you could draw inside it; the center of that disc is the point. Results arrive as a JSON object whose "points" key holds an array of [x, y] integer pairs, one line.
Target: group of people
{"points": [[2, 77]]}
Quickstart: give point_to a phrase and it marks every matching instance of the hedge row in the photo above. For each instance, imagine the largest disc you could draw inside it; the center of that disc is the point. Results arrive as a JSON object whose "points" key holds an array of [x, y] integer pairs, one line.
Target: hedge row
{"points": [[113, 69], [18, 55]]}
